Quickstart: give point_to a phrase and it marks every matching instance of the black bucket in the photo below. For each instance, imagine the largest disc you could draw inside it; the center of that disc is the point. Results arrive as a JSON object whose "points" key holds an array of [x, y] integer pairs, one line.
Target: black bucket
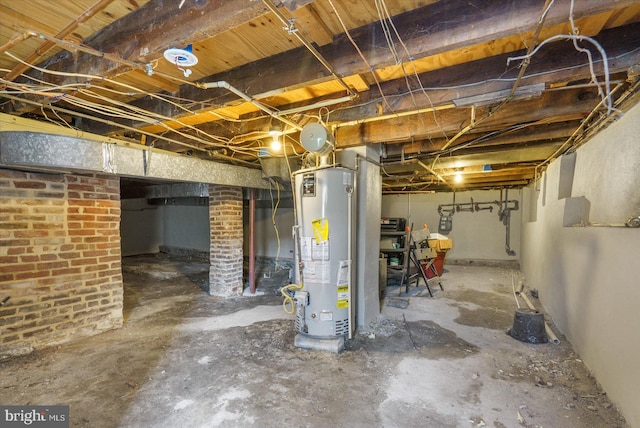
{"points": [[528, 326]]}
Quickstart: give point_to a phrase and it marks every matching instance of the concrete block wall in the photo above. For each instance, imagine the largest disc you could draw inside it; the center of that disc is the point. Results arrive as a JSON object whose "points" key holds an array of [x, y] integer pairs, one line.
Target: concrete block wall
{"points": [[60, 261], [226, 228]]}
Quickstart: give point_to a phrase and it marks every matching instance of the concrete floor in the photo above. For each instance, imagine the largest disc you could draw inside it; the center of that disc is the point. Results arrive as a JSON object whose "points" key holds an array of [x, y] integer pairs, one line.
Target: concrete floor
{"points": [[185, 359]]}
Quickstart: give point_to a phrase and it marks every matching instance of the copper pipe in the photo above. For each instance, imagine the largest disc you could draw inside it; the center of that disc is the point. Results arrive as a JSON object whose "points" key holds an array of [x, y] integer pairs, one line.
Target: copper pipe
{"points": [[48, 45]]}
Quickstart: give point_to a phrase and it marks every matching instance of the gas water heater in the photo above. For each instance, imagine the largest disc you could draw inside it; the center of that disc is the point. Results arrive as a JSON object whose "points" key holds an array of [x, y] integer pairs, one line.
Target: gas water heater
{"points": [[323, 235]]}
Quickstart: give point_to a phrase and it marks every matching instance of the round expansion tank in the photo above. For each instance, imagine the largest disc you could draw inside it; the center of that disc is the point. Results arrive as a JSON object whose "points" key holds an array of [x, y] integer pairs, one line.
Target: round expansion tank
{"points": [[324, 205]]}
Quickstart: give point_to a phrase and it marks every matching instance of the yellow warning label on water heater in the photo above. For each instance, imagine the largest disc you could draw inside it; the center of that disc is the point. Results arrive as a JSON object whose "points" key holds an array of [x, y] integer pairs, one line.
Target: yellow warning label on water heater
{"points": [[343, 297], [320, 229]]}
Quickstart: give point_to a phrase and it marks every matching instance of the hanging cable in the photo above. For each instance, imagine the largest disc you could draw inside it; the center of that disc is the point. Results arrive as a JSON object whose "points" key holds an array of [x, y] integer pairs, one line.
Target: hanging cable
{"points": [[295, 32], [578, 131], [410, 57], [355, 45], [108, 122], [575, 32], [274, 210], [147, 117], [606, 97], [381, 8], [481, 82], [91, 77]]}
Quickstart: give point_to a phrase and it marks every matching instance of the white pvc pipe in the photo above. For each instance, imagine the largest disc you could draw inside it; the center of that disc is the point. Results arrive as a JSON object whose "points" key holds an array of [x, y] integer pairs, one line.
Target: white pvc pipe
{"points": [[226, 85], [349, 249]]}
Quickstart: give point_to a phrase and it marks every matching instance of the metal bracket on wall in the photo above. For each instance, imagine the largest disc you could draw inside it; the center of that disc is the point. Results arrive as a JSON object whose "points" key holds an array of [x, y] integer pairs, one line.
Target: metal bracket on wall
{"points": [[633, 222]]}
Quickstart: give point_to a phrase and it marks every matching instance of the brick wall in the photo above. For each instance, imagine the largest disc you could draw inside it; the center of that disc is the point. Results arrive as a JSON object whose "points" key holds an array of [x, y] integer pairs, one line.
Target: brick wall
{"points": [[60, 260], [225, 217]]}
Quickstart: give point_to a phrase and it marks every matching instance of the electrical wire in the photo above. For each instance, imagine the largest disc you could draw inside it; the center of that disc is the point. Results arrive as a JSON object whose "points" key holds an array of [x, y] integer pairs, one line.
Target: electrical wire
{"points": [[388, 26], [288, 300], [578, 131], [355, 45], [384, 16], [48, 86], [53, 121], [605, 96], [381, 8], [575, 32], [274, 210], [145, 116], [156, 117], [108, 122], [416, 75], [525, 63], [92, 77], [479, 83], [139, 91], [290, 28]]}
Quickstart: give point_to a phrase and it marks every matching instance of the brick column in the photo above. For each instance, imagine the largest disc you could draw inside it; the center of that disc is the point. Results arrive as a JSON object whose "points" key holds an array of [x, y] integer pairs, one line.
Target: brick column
{"points": [[225, 218], [59, 258]]}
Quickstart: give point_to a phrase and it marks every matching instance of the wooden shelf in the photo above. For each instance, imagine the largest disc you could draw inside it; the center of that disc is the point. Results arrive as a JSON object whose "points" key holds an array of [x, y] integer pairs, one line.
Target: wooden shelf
{"points": [[392, 233]]}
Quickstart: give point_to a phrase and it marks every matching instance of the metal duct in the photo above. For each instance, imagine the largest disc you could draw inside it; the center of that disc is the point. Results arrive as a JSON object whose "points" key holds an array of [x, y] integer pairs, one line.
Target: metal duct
{"points": [[60, 153], [177, 190]]}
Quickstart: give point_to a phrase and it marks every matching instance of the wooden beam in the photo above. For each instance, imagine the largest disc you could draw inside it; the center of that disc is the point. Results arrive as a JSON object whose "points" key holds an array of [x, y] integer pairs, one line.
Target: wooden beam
{"points": [[440, 187], [48, 45], [556, 107], [422, 30], [144, 34], [448, 25], [557, 62], [526, 136]]}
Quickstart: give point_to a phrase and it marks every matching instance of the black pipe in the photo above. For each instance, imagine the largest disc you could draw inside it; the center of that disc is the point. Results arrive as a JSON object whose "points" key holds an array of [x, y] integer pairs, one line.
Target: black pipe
{"points": [[507, 222]]}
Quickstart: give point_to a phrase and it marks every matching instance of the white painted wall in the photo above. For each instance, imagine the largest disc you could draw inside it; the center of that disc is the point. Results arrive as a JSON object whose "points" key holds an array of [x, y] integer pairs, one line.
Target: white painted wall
{"points": [[266, 239], [589, 277], [186, 226], [476, 236], [141, 227]]}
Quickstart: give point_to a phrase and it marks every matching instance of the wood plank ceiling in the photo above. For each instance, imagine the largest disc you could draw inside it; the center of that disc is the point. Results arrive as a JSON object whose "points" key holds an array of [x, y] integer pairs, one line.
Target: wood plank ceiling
{"points": [[489, 90]]}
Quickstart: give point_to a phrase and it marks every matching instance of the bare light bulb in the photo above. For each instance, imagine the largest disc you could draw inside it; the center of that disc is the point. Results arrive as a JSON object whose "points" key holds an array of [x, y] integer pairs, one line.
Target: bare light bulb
{"points": [[458, 177], [275, 145]]}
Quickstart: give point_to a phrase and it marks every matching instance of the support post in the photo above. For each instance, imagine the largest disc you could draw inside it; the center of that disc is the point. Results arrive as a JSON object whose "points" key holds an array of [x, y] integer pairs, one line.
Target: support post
{"points": [[252, 252]]}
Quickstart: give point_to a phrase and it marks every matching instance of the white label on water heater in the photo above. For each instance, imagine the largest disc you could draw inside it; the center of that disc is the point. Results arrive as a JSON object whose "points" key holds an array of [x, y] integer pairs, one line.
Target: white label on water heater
{"points": [[347, 179], [317, 272], [343, 273], [326, 316], [305, 248], [319, 250]]}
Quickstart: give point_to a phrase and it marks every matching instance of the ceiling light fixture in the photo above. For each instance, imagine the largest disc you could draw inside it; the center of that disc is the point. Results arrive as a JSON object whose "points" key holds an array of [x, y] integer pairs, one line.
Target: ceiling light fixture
{"points": [[182, 58], [458, 177], [275, 132]]}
